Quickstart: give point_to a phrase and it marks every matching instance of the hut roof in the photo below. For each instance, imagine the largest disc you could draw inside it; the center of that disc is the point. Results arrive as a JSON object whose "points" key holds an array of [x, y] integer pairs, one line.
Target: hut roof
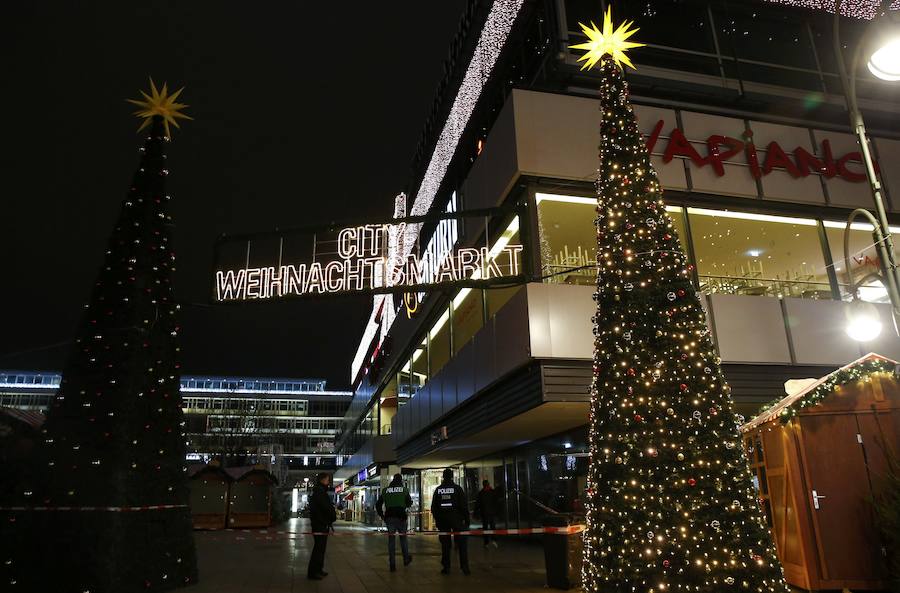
{"points": [[788, 406], [239, 473], [199, 468]]}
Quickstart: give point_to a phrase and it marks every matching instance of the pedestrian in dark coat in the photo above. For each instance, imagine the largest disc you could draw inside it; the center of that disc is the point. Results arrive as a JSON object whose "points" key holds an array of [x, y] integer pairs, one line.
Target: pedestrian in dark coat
{"points": [[450, 508], [321, 515], [486, 508]]}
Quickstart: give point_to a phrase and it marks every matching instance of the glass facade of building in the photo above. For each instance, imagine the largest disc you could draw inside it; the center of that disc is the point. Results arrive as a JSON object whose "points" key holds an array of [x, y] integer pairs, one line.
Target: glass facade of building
{"points": [[543, 477], [734, 251]]}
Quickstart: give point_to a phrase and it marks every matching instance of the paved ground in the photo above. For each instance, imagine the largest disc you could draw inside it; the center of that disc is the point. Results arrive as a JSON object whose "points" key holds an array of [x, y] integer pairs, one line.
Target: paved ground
{"points": [[235, 562]]}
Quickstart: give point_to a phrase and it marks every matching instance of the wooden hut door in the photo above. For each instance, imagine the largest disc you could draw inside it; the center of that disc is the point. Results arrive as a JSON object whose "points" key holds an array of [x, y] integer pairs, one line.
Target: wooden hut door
{"points": [[838, 497]]}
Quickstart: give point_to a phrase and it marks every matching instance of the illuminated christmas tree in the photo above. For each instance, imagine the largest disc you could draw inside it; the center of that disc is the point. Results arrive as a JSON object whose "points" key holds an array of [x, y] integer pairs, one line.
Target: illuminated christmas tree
{"points": [[671, 505], [114, 450]]}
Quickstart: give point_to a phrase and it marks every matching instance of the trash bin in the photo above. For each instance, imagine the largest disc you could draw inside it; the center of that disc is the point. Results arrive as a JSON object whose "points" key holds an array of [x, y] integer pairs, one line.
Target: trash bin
{"points": [[562, 552]]}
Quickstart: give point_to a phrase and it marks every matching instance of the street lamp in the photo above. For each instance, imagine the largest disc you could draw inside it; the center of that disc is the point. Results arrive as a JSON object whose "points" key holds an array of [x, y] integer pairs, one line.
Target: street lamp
{"points": [[884, 63], [863, 323]]}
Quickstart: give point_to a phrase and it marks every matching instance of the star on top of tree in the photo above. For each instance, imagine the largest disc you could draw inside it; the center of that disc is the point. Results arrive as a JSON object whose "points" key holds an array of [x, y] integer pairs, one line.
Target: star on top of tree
{"points": [[613, 42], [160, 103]]}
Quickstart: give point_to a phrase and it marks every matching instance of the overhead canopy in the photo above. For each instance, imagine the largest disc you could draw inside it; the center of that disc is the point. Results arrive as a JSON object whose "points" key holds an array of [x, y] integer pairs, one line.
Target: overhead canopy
{"points": [[32, 418]]}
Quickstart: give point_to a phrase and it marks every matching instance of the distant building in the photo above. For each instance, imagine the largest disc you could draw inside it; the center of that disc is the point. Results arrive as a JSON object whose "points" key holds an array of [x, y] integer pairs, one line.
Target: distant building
{"points": [[288, 425]]}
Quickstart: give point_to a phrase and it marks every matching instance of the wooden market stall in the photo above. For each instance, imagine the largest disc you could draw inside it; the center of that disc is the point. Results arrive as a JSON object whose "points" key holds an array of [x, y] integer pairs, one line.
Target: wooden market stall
{"points": [[821, 455], [250, 499], [208, 486]]}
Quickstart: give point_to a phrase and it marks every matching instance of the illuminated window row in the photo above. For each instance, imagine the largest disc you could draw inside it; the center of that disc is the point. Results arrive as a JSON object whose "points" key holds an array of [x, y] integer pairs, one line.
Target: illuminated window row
{"points": [[734, 252], [245, 385], [39, 380], [264, 424], [31, 401], [208, 404]]}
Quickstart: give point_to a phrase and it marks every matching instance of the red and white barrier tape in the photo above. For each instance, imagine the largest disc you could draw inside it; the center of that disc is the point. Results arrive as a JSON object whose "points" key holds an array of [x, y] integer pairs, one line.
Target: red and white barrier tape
{"points": [[150, 507], [268, 534]]}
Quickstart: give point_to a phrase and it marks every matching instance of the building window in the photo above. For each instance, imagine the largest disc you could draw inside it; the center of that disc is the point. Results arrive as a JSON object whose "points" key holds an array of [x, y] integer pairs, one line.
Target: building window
{"points": [[758, 254], [568, 238], [468, 316], [439, 351], [419, 366], [863, 262]]}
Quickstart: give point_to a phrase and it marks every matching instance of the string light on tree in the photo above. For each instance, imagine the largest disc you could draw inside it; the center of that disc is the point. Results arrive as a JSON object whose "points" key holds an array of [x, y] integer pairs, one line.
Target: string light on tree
{"points": [[671, 505]]}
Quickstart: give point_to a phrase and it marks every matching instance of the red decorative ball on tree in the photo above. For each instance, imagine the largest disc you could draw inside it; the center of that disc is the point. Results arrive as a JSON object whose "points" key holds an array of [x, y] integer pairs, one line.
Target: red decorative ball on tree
{"points": [[638, 418], [692, 482]]}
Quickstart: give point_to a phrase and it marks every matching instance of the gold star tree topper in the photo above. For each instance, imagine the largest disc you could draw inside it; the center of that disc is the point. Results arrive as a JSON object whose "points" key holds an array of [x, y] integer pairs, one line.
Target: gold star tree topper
{"points": [[612, 42], [160, 103]]}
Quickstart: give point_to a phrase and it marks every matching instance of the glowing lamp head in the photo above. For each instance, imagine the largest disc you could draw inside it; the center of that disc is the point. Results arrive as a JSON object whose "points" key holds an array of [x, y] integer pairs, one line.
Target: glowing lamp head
{"points": [[885, 61], [863, 323]]}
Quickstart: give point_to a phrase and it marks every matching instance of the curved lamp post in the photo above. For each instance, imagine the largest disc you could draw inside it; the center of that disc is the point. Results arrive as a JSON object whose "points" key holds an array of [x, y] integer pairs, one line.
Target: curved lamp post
{"points": [[884, 62]]}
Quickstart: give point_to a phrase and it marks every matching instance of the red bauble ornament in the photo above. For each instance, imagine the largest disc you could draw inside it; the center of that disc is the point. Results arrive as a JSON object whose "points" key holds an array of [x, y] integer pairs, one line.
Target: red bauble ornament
{"points": [[692, 482], [631, 372], [638, 418], [666, 563], [681, 292], [683, 387]]}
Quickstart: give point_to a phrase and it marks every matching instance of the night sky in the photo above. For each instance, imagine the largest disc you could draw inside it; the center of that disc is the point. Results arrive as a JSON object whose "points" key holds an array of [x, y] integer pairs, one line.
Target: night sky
{"points": [[305, 113]]}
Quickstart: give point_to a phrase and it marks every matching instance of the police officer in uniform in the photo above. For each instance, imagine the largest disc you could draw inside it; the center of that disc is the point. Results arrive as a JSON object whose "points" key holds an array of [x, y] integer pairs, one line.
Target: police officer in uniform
{"points": [[391, 507], [321, 516], [450, 509]]}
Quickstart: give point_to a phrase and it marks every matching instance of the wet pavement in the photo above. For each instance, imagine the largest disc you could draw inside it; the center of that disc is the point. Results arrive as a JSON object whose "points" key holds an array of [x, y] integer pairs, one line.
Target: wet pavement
{"points": [[357, 562]]}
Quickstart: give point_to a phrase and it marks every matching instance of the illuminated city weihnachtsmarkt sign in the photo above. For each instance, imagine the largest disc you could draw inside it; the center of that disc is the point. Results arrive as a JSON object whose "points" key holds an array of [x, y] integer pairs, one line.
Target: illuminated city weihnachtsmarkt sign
{"points": [[369, 258]]}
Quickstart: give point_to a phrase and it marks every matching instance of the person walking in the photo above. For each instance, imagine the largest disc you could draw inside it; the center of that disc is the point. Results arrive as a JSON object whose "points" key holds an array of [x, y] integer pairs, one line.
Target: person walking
{"points": [[450, 509], [321, 515], [391, 506], [486, 507]]}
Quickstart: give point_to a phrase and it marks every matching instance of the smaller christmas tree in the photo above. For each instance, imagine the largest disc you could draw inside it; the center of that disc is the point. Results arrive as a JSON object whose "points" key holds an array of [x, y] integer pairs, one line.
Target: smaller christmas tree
{"points": [[112, 514], [671, 506]]}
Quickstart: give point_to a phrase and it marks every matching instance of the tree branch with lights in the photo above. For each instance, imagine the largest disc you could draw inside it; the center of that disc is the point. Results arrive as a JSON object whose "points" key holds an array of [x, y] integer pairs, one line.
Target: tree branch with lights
{"points": [[671, 505]]}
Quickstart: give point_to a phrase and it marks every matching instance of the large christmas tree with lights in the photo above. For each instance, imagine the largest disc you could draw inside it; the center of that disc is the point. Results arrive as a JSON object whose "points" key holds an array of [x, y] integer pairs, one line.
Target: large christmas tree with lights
{"points": [[671, 505], [112, 514]]}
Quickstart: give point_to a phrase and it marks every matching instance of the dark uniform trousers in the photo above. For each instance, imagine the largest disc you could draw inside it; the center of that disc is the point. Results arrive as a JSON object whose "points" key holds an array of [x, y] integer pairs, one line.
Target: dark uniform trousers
{"points": [[462, 545], [317, 557]]}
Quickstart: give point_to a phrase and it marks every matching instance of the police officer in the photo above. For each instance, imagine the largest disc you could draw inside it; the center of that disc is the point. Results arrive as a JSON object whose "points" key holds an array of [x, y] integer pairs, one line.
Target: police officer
{"points": [[391, 507], [450, 509], [321, 516]]}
